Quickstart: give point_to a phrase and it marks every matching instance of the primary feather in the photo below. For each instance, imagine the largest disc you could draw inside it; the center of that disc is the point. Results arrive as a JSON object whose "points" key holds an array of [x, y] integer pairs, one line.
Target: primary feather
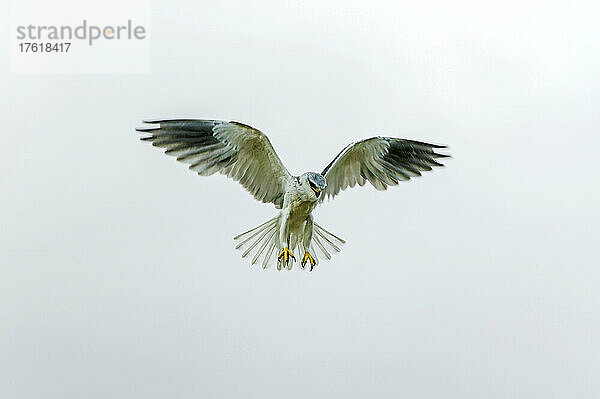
{"points": [[382, 161], [233, 149]]}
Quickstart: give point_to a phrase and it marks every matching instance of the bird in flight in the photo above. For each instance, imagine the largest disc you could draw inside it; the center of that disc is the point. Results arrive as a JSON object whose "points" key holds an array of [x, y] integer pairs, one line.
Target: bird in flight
{"points": [[246, 155]]}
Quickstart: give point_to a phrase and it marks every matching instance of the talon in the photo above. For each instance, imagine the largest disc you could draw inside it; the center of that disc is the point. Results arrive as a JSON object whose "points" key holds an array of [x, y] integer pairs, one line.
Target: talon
{"points": [[285, 256], [307, 258]]}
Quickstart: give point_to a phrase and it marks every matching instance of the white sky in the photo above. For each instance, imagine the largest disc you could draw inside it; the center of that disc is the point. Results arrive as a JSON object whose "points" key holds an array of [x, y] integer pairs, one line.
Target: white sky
{"points": [[118, 274]]}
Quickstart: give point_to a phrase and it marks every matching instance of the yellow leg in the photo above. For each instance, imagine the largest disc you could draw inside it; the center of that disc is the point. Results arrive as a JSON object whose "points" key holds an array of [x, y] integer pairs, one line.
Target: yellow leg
{"points": [[307, 258], [285, 256]]}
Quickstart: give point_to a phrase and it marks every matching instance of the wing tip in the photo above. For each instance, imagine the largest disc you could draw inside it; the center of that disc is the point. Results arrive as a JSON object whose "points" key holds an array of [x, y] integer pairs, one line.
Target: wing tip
{"points": [[146, 129], [158, 121], [165, 120], [152, 121], [444, 146]]}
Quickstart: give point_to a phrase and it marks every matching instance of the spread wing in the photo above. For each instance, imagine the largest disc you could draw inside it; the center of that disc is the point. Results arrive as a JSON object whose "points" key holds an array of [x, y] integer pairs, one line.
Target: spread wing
{"points": [[231, 148], [382, 161]]}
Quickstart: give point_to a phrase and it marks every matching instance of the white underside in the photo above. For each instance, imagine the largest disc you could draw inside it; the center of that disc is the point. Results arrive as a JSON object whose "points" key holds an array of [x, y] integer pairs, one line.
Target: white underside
{"points": [[262, 243]]}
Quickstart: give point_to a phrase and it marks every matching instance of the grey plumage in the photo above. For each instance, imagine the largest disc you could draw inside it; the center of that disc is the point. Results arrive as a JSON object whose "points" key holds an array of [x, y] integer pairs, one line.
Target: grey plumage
{"points": [[230, 148], [246, 155]]}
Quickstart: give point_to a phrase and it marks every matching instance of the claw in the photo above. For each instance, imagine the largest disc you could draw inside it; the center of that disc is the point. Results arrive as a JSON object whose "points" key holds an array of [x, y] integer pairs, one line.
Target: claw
{"points": [[285, 255], [307, 258]]}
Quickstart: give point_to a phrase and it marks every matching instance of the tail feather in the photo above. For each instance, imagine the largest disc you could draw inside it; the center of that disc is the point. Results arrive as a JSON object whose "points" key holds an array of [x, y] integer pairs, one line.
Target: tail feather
{"points": [[330, 237], [326, 241], [250, 234], [260, 239], [241, 235], [262, 244], [319, 245], [269, 253], [255, 242]]}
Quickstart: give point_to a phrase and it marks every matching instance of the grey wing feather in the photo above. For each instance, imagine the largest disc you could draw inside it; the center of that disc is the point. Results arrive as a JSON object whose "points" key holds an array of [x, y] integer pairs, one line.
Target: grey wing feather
{"points": [[382, 161], [231, 148]]}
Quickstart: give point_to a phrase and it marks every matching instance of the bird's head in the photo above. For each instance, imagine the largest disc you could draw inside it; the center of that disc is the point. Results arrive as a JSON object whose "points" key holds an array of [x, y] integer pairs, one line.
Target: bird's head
{"points": [[314, 181]]}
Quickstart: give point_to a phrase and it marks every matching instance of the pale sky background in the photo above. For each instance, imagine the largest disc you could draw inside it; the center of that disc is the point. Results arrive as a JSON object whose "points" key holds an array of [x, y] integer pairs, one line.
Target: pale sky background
{"points": [[118, 274]]}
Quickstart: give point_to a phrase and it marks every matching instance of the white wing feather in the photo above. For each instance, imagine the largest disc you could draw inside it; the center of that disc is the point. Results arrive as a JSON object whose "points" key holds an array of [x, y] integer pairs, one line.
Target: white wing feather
{"points": [[231, 148]]}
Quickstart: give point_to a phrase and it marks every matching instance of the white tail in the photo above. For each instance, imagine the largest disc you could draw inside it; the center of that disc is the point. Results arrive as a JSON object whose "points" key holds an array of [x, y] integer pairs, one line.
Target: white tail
{"points": [[260, 241], [324, 240], [262, 244]]}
